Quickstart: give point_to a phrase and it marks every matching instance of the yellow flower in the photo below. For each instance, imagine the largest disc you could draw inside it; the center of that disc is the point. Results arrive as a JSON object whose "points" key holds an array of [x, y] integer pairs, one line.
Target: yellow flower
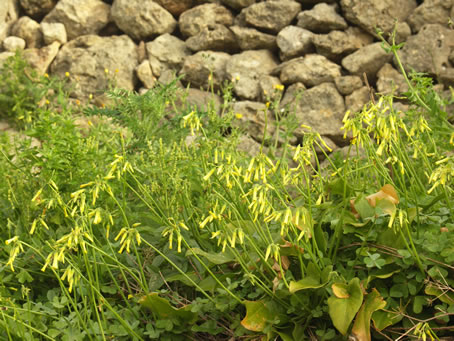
{"points": [[279, 87], [239, 116], [106, 71], [67, 74]]}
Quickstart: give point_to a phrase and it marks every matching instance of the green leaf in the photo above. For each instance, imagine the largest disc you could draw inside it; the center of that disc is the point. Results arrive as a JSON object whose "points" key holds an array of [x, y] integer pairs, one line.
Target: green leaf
{"points": [[364, 209], [215, 258], [164, 310], [418, 303], [258, 315], [310, 281], [383, 319], [445, 297], [361, 327], [343, 310], [24, 276]]}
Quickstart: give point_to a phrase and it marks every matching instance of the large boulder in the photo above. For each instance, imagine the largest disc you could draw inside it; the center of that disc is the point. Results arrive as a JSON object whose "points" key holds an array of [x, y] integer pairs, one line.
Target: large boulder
{"points": [[168, 51], [13, 44], [9, 12], [37, 8], [310, 70], [205, 68], [40, 59], [335, 45], [238, 4], [438, 42], [252, 39], [213, 37], [372, 14], [347, 84], [53, 32], [293, 42], [29, 30], [80, 17], [431, 12], [176, 7], [391, 81], [323, 18], [368, 59], [272, 15], [194, 20], [246, 69], [142, 19], [87, 58], [321, 107], [251, 117]]}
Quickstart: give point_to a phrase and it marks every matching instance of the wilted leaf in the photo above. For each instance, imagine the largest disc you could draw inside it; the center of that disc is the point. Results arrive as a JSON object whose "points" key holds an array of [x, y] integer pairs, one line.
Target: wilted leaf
{"points": [[361, 327], [386, 192], [343, 310], [340, 290], [258, 316]]}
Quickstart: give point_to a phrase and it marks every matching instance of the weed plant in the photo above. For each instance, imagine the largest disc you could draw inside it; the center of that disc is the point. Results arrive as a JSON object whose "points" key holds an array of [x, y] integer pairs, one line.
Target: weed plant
{"points": [[151, 224]]}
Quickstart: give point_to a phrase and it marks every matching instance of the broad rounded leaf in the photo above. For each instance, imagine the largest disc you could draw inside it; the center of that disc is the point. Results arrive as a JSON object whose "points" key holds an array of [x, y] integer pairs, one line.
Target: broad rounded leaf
{"points": [[343, 310], [257, 317], [361, 327]]}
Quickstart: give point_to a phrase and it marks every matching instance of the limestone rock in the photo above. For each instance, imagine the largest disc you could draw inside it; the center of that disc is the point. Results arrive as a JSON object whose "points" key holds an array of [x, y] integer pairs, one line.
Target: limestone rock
{"points": [[289, 100], [321, 19], [238, 4], [438, 42], [197, 68], [37, 8], [269, 88], [294, 41], [252, 39], [80, 17], [168, 50], [357, 99], [203, 100], [145, 74], [176, 7], [29, 30], [430, 12], [251, 118], [359, 37], [390, 81], [248, 145], [446, 77], [192, 21], [142, 19], [321, 108], [12, 44], [167, 77], [370, 14], [53, 32], [311, 70], [347, 84], [246, 68], [87, 57], [334, 45], [368, 59], [40, 59], [403, 31], [9, 11], [213, 37], [271, 16]]}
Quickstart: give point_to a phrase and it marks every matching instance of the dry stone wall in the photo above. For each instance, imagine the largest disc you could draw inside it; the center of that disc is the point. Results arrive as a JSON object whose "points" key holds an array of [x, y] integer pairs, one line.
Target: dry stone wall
{"points": [[326, 48]]}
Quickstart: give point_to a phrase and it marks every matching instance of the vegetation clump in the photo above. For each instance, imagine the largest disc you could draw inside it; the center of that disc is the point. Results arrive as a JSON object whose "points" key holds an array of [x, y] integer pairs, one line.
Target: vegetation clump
{"points": [[149, 223]]}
